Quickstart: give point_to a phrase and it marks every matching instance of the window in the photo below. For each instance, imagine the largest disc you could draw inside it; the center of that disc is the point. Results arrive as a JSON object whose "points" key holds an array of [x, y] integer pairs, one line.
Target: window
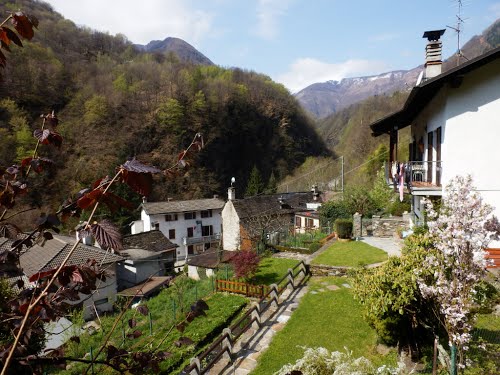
{"points": [[207, 230], [309, 223], [171, 234], [189, 215], [190, 249], [205, 214], [101, 301], [190, 232], [155, 226], [171, 217], [297, 221]]}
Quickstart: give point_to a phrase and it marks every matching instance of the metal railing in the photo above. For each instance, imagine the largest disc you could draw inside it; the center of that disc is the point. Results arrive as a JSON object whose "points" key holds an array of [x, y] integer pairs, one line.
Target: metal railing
{"points": [[254, 317], [418, 173], [202, 239]]}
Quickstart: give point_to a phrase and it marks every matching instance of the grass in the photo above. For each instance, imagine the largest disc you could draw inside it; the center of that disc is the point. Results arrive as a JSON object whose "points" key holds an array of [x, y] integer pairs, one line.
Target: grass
{"points": [[328, 318], [350, 254], [271, 270], [222, 307]]}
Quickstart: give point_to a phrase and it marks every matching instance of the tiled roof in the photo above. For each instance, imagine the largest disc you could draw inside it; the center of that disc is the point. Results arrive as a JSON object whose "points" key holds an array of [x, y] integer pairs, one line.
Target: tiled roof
{"points": [[313, 214], [154, 208], [270, 205], [53, 252], [210, 258], [153, 240]]}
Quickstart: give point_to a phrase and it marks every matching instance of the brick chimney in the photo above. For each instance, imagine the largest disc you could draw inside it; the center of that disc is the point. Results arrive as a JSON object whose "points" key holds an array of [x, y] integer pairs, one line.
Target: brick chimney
{"points": [[433, 53]]}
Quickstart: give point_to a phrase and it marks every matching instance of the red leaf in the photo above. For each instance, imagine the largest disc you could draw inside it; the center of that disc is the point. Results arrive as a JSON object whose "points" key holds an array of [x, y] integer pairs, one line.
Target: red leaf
{"points": [[23, 25], [9, 230], [76, 276], [132, 323], [89, 199], [107, 235], [143, 309], [75, 339], [135, 165], [142, 183], [12, 36], [134, 334]]}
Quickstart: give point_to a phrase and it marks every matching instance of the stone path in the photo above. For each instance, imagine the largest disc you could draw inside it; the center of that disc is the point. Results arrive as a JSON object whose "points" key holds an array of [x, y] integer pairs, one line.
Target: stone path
{"points": [[249, 347]]}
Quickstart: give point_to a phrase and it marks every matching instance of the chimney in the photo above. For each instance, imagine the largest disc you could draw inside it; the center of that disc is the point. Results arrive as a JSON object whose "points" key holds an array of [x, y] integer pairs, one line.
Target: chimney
{"points": [[231, 193], [315, 191], [433, 63]]}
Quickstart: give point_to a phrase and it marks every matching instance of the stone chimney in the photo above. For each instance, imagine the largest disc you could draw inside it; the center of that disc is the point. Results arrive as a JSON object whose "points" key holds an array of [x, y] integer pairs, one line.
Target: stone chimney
{"points": [[231, 193], [433, 53]]}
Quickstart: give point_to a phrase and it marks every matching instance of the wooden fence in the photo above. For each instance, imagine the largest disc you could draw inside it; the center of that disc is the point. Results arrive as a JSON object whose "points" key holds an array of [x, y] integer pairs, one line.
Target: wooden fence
{"points": [[223, 345], [248, 290]]}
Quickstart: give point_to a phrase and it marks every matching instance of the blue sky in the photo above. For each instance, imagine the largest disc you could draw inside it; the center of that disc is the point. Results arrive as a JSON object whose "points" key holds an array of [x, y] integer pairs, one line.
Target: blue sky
{"points": [[296, 42]]}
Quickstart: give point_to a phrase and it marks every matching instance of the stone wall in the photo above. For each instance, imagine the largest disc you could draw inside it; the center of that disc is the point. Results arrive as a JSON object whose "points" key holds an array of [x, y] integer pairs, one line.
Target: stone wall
{"points": [[381, 226], [321, 270]]}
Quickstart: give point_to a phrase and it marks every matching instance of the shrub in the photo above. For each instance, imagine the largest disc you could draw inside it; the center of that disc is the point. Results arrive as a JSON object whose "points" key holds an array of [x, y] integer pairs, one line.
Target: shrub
{"points": [[245, 263], [343, 227], [286, 249], [315, 246], [397, 208], [333, 210]]}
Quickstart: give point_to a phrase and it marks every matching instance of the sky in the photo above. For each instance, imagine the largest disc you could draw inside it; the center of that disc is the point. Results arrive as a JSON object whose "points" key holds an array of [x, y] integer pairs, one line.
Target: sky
{"points": [[295, 42]]}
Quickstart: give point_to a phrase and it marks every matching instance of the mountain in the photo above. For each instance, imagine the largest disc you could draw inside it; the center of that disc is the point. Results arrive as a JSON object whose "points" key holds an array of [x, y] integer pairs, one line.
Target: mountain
{"points": [[326, 98], [185, 51], [323, 99], [115, 102]]}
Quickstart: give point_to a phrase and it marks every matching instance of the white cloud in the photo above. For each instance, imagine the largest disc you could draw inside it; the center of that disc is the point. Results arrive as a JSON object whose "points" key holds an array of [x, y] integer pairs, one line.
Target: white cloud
{"points": [[306, 71], [268, 14], [140, 21]]}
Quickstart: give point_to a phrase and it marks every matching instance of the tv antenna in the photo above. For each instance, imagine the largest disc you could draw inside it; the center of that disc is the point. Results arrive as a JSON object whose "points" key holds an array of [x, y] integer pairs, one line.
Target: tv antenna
{"points": [[458, 30]]}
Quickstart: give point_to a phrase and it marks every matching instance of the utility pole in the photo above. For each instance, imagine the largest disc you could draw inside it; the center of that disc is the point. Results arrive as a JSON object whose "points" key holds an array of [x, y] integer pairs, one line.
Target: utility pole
{"points": [[342, 174]]}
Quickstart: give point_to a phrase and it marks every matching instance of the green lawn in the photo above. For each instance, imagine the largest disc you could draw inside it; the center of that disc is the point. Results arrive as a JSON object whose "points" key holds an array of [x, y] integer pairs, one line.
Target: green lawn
{"points": [[222, 307], [329, 318], [350, 254], [272, 269]]}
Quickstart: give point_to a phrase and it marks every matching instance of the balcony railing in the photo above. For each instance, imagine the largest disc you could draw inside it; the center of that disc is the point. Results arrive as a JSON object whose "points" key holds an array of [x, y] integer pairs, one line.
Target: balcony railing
{"points": [[202, 239], [419, 174]]}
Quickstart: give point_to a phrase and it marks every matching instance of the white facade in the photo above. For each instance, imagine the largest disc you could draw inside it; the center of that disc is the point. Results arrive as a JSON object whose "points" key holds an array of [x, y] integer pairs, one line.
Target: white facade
{"points": [[104, 296], [305, 223], [193, 231], [231, 232], [468, 118]]}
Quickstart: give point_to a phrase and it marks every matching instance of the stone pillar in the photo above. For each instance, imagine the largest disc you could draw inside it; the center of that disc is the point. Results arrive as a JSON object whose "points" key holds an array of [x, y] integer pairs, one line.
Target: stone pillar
{"points": [[227, 344], [356, 225], [256, 314], [376, 226], [408, 219], [274, 296]]}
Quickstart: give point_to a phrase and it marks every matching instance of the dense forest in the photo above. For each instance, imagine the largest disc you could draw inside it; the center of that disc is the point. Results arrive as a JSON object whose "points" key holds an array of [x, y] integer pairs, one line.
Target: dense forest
{"points": [[115, 102]]}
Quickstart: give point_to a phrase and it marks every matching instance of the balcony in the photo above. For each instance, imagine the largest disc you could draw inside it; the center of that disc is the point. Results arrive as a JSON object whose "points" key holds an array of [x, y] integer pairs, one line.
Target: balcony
{"points": [[203, 239], [421, 177]]}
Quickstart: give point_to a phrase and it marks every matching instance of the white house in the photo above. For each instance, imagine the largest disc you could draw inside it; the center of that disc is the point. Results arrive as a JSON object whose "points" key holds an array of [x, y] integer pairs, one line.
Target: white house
{"points": [[38, 259], [147, 254], [194, 225], [455, 129]]}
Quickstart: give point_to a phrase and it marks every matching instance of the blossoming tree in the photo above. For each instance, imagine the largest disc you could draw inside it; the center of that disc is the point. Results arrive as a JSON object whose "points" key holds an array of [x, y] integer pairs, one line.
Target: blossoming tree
{"points": [[461, 231]]}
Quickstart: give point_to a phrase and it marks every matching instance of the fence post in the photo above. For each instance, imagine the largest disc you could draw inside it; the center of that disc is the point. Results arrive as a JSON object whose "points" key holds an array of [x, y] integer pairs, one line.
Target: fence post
{"points": [[197, 366], [92, 360], [274, 295], [290, 285], [453, 367], [150, 324], [256, 314], [226, 343]]}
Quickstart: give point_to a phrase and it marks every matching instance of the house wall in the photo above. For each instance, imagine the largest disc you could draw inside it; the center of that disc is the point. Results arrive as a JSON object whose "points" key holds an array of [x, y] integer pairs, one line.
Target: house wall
{"points": [[181, 225], [302, 227], [230, 227], [106, 290], [468, 116], [132, 272]]}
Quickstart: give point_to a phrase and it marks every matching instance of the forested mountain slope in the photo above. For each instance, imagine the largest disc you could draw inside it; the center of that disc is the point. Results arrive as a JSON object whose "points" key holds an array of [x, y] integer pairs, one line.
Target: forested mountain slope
{"points": [[116, 102]]}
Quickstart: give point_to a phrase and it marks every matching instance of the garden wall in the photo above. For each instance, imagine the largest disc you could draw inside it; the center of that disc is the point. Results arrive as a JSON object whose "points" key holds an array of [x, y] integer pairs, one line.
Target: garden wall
{"points": [[381, 226]]}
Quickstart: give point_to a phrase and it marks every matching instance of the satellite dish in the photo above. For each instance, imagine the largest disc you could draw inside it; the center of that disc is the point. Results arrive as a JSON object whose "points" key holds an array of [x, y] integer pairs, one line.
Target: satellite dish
{"points": [[233, 180], [420, 77]]}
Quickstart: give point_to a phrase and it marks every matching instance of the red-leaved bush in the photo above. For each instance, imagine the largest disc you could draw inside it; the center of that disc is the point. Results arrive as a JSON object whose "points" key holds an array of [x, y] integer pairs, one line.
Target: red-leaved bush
{"points": [[245, 263]]}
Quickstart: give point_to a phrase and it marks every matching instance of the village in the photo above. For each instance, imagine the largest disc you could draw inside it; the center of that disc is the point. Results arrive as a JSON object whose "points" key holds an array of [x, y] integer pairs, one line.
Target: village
{"points": [[399, 274]]}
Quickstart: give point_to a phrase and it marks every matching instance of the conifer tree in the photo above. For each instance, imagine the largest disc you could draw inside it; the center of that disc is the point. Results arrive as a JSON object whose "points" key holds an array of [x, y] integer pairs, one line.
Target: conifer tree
{"points": [[254, 185]]}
